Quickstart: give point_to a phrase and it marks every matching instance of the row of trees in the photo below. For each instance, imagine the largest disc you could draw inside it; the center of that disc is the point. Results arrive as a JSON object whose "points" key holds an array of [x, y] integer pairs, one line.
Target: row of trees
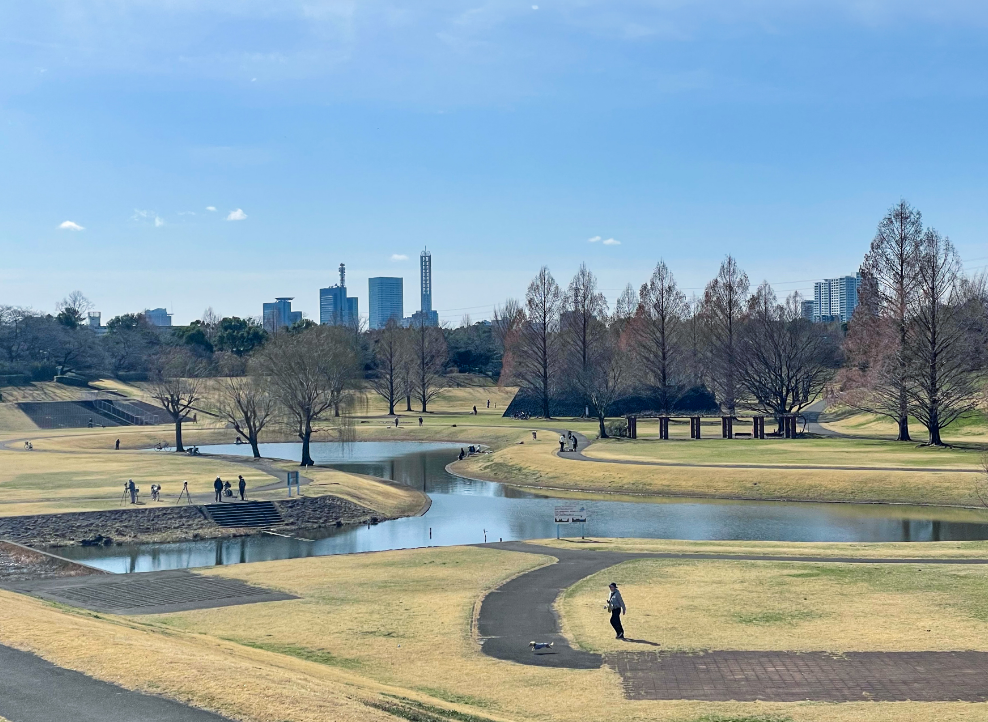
{"points": [[917, 346], [748, 348]]}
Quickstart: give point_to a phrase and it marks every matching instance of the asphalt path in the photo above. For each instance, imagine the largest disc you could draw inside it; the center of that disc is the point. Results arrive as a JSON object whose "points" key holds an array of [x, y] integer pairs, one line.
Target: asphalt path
{"points": [[33, 690], [523, 609]]}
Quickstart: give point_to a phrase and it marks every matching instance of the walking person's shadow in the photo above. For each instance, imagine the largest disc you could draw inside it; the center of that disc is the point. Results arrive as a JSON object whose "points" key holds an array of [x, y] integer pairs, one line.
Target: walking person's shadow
{"points": [[642, 641]]}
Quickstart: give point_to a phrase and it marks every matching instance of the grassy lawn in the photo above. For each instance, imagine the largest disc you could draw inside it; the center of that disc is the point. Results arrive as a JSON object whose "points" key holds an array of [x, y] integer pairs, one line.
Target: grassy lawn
{"points": [[971, 428], [734, 605], [815, 452], [399, 623], [535, 464]]}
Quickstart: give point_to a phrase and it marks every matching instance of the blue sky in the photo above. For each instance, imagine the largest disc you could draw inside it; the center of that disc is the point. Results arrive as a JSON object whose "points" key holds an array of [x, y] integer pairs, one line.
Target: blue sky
{"points": [[502, 135]]}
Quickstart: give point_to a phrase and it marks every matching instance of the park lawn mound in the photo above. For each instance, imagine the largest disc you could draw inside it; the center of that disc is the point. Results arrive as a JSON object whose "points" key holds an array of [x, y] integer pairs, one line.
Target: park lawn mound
{"points": [[535, 464], [12, 419], [877, 453], [854, 550], [390, 499], [692, 605]]}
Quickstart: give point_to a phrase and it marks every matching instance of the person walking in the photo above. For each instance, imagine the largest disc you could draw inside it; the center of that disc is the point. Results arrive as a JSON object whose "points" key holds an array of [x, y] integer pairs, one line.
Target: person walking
{"points": [[132, 488], [218, 488], [576, 443], [242, 486], [488, 403], [562, 443], [615, 605], [396, 422], [474, 410], [420, 420], [117, 447]]}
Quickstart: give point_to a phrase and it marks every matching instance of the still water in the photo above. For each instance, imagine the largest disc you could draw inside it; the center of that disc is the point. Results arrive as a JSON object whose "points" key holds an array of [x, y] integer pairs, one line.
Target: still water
{"points": [[463, 511]]}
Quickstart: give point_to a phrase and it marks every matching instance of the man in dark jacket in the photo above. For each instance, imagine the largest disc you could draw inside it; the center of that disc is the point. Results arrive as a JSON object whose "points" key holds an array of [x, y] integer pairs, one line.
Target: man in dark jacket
{"points": [[242, 486], [218, 488]]}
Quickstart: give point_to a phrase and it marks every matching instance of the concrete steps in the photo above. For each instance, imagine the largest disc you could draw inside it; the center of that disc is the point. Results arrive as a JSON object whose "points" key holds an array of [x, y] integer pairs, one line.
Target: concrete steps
{"points": [[249, 514]]}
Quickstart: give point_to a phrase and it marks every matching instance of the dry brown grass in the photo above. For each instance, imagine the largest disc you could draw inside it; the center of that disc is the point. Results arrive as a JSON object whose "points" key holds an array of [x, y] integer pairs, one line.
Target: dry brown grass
{"points": [[535, 464], [698, 605], [319, 657], [890, 550]]}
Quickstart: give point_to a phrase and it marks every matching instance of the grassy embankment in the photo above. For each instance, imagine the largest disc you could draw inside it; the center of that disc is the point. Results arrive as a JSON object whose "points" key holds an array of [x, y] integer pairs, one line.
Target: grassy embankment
{"points": [[399, 623]]}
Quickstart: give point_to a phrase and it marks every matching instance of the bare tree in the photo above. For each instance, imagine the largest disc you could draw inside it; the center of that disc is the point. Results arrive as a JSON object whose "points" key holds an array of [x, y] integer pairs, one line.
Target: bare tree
{"points": [[724, 300], [311, 373], [176, 384], [390, 351], [429, 354], [941, 381], [784, 360], [658, 330], [878, 348], [536, 351], [693, 331], [505, 328], [627, 304], [607, 375], [247, 404], [75, 301], [583, 324]]}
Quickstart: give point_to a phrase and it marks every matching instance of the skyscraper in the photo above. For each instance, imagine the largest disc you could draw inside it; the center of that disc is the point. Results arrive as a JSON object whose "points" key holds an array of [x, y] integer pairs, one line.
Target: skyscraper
{"points": [[386, 300], [335, 308], [425, 315], [834, 299], [279, 315]]}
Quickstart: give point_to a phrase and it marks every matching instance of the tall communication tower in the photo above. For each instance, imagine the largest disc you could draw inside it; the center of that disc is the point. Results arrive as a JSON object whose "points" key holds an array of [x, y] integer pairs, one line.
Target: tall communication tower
{"points": [[425, 270]]}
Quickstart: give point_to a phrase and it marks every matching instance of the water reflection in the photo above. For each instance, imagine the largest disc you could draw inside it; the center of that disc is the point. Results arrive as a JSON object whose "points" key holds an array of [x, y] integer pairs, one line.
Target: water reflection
{"points": [[463, 511]]}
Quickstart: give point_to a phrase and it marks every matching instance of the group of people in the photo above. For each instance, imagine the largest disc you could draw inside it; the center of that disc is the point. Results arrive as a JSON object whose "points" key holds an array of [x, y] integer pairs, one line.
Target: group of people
{"points": [[226, 489], [28, 446], [568, 439]]}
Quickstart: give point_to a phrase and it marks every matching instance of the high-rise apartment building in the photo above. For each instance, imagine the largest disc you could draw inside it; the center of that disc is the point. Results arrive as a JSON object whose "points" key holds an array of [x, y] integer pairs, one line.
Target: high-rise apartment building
{"points": [[158, 317], [806, 310], [834, 299], [279, 315], [335, 307], [386, 300]]}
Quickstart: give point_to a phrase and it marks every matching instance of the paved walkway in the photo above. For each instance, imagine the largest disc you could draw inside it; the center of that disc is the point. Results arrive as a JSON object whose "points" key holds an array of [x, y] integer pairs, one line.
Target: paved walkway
{"points": [[148, 592], [33, 690], [523, 610]]}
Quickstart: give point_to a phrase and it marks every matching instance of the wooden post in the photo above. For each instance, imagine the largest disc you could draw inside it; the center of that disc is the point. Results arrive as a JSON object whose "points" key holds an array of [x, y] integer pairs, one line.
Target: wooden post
{"points": [[723, 427], [695, 427], [664, 427], [632, 427]]}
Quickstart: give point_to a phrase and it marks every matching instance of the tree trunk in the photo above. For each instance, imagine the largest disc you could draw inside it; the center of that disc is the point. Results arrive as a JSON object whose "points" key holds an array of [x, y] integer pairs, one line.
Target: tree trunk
{"points": [[408, 402], [424, 405], [603, 432], [253, 447], [391, 405], [903, 429], [178, 435], [306, 436]]}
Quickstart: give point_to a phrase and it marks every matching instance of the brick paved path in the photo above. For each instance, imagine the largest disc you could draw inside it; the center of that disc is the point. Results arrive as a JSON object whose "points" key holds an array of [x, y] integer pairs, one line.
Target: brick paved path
{"points": [[794, 677]]}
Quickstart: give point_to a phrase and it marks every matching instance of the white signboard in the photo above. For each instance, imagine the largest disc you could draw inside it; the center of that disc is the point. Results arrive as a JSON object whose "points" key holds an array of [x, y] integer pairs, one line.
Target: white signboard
{"points": [[571, 513]]}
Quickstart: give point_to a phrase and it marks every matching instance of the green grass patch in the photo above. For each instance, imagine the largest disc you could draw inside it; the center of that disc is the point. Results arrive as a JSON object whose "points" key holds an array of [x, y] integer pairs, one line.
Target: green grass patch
{"points": [[777, 617], [319, 656]]}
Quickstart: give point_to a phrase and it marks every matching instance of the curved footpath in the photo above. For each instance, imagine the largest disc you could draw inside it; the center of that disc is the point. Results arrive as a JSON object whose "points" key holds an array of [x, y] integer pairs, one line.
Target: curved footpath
{"points": [[523, 610], [34, 690]]}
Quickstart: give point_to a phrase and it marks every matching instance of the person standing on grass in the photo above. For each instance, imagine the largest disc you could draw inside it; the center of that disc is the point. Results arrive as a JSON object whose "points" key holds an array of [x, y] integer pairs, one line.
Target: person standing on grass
{"points": [[117, 447], [615, 605], [562, 443], [218, 488], [132, 488], [242, 486]]}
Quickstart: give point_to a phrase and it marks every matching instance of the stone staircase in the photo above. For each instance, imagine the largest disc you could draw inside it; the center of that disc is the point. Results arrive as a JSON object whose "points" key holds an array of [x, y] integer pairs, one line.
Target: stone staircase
{"points": [[249, 514]]}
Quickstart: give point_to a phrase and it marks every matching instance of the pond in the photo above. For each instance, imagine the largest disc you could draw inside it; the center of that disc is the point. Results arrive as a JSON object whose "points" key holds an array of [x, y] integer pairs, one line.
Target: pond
{"points": [[471, 512]]}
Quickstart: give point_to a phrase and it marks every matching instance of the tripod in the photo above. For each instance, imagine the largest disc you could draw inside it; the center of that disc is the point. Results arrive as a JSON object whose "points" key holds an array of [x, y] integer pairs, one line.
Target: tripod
{"points": [[123, 497], [185, 490]]}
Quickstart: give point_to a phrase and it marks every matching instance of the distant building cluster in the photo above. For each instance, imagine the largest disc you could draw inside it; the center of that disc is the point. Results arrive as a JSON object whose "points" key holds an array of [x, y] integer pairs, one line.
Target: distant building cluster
{"points": [[834, 299], [386, 301]]}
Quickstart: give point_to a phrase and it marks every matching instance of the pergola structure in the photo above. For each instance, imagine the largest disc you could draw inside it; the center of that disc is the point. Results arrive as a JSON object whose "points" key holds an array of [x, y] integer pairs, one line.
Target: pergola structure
{"points": [[726, 426]]}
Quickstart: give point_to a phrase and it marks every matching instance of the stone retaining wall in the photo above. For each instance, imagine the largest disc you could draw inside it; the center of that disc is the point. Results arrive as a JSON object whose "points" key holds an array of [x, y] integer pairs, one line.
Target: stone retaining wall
{"points": [[163, 523]]}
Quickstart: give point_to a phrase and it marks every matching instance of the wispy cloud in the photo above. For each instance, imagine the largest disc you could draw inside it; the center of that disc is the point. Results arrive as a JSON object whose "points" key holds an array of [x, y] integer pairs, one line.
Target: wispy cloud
{"points": [[612, 242], [186, 213], [399, 257], [211, 208], [237, 215], [593, 240], [148, 216], [70, 226]]}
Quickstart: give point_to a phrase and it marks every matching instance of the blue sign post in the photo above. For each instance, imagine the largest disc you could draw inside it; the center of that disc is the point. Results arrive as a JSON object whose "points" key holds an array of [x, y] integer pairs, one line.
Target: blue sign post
{"points": [[293, 479]]}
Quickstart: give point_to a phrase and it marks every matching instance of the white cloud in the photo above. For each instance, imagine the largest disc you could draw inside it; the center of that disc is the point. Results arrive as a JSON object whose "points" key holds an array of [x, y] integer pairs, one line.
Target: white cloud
{"points": [[237, 215], [158, 222], [399, 257], [593, 240], [70, 226], [535, 7], [149, 216], [211, 208], [612, 242]]}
